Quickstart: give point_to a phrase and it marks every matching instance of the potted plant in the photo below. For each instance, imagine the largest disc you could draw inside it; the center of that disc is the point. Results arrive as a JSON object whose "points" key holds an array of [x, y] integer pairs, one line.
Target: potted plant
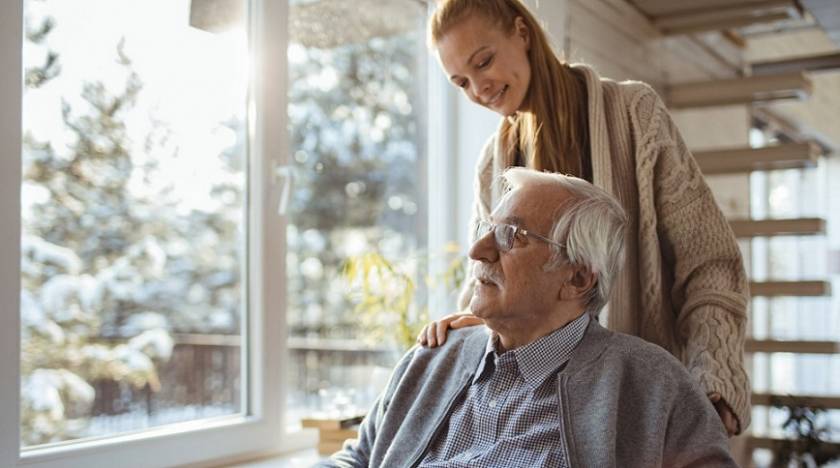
{"points": [[808, 445]]}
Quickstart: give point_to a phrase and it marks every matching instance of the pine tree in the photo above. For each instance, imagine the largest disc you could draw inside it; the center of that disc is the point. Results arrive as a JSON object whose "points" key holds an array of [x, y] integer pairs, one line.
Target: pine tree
{"points": [[98, 254], [354, 134]]}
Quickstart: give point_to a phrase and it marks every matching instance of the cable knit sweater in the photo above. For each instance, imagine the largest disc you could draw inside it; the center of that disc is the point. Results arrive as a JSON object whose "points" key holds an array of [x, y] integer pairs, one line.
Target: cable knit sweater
{"points": [[683, 286]]}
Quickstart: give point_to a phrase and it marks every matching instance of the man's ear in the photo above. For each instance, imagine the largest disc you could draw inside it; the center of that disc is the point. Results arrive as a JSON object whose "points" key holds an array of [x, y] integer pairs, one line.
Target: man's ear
{"points": [[578, 284]]}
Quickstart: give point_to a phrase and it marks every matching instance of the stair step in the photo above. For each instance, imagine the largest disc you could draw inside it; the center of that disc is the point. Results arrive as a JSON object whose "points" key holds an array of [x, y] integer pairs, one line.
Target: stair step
{"points": [[745, 228], [790, 288], [772, 443], [792, 346], [739, 90], [720, 17], [739, 160], [820, 62], [692, 16], [769, 399]]}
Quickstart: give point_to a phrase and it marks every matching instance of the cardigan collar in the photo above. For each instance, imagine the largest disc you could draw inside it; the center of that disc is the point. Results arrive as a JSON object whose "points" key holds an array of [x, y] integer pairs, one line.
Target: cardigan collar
{"points": [[599, 136]]}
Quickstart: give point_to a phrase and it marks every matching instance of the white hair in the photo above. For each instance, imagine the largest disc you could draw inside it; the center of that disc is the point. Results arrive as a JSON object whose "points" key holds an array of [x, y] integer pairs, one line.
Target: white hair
{"points": [[591, 224]]}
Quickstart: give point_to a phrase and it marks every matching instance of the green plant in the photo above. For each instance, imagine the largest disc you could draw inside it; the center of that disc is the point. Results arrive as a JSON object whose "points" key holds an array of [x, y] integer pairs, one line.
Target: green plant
{"points": [[389, 303], [807, 446]]}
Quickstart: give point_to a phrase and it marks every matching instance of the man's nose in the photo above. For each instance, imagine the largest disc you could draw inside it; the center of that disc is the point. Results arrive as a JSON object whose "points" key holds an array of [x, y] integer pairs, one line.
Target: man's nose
{"points": [[484, 249]]}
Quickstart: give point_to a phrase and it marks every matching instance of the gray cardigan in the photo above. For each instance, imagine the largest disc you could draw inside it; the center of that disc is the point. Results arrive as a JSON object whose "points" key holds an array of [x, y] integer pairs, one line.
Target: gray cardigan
{"points": [[622, 402]]}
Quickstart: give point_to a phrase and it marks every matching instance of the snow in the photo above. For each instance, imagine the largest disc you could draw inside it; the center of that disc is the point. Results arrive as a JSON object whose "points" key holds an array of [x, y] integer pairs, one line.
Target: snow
{"points": [[75, 387], [41, 391], [156, 344], [221, 320], [143, 321], [134, 360], [41, 251], [66, 297], [96, 353], [31, 313]]}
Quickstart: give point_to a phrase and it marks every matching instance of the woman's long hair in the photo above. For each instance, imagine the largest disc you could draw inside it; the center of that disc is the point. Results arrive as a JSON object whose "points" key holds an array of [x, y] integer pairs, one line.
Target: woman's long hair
{"points": [[553, 134]]}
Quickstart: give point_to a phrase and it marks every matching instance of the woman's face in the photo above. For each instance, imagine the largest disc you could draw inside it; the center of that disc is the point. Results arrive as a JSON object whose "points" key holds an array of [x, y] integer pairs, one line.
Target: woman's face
{"points": [[490, 65]]}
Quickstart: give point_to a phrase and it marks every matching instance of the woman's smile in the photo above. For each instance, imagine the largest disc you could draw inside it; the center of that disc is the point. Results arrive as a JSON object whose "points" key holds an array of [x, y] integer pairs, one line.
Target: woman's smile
{"points": [[497, 98]]}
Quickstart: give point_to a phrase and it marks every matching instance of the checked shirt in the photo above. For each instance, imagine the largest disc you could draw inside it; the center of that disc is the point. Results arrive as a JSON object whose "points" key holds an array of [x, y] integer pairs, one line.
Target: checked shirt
{"points": [[509, 416]]}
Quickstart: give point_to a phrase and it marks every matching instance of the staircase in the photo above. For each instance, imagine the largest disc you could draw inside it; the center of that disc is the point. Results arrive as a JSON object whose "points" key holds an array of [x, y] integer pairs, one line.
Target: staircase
{"points": [[741, 160], [746, 160]]}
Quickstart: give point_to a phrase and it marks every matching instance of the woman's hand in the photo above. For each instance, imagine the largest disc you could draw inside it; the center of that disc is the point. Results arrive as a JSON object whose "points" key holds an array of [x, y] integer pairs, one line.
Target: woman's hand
{"points": [[726, 415], [434, 334]]}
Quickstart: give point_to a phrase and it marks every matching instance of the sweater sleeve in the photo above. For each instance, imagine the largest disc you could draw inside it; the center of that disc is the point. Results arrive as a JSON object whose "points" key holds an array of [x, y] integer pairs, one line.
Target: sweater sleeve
{"points": [[709, 292], [481, 208]]}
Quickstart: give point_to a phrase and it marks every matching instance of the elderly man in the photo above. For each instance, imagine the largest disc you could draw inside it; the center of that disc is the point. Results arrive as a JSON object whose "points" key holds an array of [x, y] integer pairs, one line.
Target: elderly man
{"points": [[547, 385]]}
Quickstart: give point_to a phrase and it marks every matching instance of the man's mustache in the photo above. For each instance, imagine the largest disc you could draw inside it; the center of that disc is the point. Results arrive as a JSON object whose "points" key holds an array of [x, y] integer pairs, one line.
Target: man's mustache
{"points": [[487, 274]]}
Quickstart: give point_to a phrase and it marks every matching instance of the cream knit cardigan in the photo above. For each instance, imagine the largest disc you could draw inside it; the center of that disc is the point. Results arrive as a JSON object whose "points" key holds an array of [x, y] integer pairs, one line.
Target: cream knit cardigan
{"points": [[683, 286]]}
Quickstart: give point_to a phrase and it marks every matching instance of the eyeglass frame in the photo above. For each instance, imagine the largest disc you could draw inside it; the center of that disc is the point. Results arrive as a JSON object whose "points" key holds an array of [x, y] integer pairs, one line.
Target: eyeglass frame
{"points": [[491, 227]]}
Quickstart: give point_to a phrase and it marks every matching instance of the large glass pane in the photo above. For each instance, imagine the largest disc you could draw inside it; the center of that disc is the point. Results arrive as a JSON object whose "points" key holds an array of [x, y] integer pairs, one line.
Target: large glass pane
{"points": [[357, 113], [133, 209]]}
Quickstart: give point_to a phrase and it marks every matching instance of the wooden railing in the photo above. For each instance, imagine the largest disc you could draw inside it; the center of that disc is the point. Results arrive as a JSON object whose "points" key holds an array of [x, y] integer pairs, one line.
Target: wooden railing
{"points": [[204, 370]]}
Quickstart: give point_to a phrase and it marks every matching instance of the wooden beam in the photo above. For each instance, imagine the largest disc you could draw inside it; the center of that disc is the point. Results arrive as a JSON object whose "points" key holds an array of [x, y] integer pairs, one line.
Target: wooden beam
{"points": [[659, 8], [774, 443], [792, 346], [735, 37], [678, 26], [738, 160], [708, 17], [790, 128], [746, 228], [790, 288], [769, 399], [739, 90], [799, 64]]}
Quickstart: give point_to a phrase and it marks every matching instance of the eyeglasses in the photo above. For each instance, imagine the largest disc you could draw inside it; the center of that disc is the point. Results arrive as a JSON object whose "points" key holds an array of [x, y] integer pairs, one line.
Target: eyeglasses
{"points": [[505, 234]]}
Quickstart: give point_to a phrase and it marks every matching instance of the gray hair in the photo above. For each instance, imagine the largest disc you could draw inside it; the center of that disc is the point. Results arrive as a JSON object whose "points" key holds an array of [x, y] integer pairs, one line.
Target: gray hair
{"points": [[591, 224]]}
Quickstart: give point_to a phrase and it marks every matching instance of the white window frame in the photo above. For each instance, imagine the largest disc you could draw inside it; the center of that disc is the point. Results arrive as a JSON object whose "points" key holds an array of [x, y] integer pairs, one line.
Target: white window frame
{"points": [[261, 429]]}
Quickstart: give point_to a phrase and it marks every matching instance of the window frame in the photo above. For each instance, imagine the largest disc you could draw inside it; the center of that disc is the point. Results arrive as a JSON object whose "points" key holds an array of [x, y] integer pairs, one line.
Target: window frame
{"points": [[260, 430]]}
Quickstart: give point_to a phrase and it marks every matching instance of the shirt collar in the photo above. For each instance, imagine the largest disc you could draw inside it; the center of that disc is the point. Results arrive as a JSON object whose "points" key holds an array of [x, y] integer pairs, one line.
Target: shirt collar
{"points": [[489, 354], [538, 360]]}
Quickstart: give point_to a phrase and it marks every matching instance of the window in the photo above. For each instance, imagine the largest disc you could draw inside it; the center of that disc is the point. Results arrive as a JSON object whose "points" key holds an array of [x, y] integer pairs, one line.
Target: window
{"points": [[133, 219], [144, 249], [357, 117], [143, 231]]}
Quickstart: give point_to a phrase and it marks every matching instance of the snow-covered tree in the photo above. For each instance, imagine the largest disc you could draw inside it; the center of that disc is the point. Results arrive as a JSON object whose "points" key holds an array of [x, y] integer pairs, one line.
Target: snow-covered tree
{"points": [[109, 271], [356, 135]]}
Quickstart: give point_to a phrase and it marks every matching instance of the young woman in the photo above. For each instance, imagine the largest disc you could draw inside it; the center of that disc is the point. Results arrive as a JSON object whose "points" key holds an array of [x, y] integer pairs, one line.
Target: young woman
{"points": [[683, 286]]}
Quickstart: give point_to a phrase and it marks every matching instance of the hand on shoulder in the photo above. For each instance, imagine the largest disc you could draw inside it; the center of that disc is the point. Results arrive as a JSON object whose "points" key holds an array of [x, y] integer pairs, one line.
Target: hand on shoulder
{"points": [[434, 334]]}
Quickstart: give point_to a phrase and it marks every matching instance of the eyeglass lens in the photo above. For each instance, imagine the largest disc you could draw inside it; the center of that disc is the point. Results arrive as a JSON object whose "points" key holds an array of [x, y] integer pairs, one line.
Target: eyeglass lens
{"points": [[503, 234]]}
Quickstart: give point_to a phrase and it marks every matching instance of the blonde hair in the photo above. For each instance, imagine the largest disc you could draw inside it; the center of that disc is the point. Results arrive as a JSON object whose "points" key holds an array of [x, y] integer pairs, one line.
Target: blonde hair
{"points": [[553, 135]]}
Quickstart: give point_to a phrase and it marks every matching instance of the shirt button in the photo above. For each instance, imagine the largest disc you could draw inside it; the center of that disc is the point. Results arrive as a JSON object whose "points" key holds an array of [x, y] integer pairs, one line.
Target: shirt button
{"points": [[492, 403]]}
